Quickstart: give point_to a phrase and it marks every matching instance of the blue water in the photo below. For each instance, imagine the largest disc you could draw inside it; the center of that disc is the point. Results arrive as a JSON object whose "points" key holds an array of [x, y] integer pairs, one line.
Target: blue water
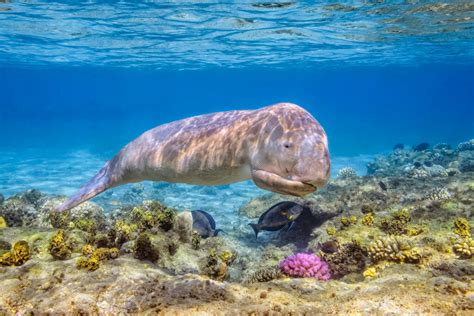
{"points": [[80, 80]]}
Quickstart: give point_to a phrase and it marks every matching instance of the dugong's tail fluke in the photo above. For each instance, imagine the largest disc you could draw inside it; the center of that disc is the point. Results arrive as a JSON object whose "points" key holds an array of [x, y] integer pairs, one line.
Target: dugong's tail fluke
{"points": [[99, 183]]}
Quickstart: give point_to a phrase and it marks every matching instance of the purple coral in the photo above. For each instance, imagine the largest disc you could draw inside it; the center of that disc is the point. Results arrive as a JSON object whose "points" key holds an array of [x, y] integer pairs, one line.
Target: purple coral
{"points": [[305, 265]]}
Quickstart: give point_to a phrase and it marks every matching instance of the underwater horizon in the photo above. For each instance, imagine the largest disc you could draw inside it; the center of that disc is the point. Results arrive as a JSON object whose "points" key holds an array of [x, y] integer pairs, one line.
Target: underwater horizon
{"points": [[391, 83]]}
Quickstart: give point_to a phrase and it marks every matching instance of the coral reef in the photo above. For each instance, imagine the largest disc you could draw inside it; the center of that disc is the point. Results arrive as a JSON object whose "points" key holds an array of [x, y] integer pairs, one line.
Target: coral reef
{"points": [[18, 255], [151, 214], [60, 247], [461, 227], [215, 267], [347, 221], [350, 258], [91, 260], [468, 145], [393, 249], [464, 247], [438, 194], [368, 219], [364, 232], [396, 223], [264, 275], [144, 249], [305, 265], [346, 173]]}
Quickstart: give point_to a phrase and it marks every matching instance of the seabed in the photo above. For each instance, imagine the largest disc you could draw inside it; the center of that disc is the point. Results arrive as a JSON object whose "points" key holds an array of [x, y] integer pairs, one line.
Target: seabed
{"points": [[402, 236]]}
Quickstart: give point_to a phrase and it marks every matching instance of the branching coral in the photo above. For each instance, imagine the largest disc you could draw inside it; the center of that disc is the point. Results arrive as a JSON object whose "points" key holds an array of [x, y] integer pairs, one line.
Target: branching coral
{"points": [[18, 255], [60, 247], [393, 249], [438, 194], [464, 247], [346, 173]]}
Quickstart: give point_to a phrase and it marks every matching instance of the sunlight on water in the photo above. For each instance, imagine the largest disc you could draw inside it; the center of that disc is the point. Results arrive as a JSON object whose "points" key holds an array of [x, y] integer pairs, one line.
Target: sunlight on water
{"points": [[187, 35]]}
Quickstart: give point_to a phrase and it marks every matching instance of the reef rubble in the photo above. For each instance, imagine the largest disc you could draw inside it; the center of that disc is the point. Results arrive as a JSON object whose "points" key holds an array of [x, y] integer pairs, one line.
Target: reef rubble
{"points": [[397, 240]]}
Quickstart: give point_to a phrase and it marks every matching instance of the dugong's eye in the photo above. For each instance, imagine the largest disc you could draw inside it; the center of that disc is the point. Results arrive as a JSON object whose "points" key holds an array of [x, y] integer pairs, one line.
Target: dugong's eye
{"points": [[287, 145]]}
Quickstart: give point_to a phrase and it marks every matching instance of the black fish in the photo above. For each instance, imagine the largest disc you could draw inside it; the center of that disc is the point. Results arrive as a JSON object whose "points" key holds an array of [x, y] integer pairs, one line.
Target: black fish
{"points": [[398, 146], [383, 186], [204, 224], [277, 217], [421, 147]]}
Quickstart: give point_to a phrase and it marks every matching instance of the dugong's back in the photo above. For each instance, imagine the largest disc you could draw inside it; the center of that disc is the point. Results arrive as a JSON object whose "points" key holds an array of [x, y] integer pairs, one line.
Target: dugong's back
{"points": [[206, 149]]}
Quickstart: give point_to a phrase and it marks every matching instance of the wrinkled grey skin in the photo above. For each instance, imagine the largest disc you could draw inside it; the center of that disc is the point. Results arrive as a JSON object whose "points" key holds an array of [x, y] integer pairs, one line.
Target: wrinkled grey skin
{"points": [[282, 148]]}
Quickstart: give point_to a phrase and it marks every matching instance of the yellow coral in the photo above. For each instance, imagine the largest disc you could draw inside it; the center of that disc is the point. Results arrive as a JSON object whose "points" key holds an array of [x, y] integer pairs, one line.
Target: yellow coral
{"points": [[368, 219], [59, 247], [226, 256], [92, 262], [3, 223], [461, 227], [393, 249], [89, 264], [19, 254], [345, 221], [464, 247], [331, 230], [87, 250], [370, 272], [396, 223], [123, 229], [414, 231], [105, 253]]}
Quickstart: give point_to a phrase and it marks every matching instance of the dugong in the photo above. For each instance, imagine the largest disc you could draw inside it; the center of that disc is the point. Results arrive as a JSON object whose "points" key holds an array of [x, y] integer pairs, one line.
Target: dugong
{"points": [[282, 148]]}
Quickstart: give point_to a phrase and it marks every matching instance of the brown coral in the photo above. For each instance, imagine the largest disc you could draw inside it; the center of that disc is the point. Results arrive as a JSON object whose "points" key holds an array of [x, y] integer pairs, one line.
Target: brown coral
{"points": [[348, 259], [144, 249]]}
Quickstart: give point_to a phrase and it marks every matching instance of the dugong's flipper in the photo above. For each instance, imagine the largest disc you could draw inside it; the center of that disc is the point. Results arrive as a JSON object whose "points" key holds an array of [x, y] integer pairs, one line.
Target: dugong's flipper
{"points": [[98, 184]]}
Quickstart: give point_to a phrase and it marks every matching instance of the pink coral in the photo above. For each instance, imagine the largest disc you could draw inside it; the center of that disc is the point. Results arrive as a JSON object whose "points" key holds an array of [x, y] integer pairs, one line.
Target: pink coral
{"points": [[305, 265]]}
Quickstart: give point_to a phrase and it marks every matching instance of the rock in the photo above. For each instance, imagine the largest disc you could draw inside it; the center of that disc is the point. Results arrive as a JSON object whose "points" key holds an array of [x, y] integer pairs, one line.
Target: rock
{"points": [[469, 145], [466, 161], [18, 212], [184, 226]]}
